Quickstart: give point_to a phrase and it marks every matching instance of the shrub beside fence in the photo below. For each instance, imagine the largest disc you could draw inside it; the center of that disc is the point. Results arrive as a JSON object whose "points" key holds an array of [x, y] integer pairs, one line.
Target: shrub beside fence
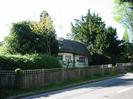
{"points": [[43, 77]]}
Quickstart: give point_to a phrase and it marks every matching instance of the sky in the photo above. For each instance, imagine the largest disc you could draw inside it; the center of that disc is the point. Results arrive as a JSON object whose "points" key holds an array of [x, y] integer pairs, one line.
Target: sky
{"points": [[63, 12]]}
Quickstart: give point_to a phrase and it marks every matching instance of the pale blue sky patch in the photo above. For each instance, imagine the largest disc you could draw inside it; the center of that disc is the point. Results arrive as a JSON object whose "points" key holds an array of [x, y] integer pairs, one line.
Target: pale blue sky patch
{"points": [[62, 12]]}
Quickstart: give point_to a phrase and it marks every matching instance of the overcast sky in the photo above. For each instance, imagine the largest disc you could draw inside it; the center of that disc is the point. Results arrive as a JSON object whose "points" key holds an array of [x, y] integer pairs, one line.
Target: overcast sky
{"points": [[62, 12]]}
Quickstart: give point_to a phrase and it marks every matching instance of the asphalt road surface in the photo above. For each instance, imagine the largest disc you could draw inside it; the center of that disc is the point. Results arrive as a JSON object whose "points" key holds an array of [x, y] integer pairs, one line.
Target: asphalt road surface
{"points": [[116, 88]]}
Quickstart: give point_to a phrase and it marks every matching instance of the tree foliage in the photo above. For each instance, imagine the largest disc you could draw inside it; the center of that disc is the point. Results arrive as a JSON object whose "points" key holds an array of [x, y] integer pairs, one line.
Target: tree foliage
{"points": [[28, 61], [87, 29], [126, 0], [92, 31], [125, 36], [127, 53], [114, 47], [33, 37], [123, 14], [44, 26]]}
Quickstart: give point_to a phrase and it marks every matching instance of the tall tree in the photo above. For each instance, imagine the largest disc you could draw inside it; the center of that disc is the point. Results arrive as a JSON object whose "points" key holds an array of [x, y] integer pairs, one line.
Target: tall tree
{"points": [[33, 37], [127, 53], [45, 28], [87, 30], [91, 31], [115, 46], [125, 36], [123, 14], [20, 39], [126, 0]]}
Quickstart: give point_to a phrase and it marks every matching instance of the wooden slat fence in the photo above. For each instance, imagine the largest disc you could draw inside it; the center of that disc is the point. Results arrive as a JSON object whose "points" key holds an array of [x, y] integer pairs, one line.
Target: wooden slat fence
{"points": [[43, 77]]}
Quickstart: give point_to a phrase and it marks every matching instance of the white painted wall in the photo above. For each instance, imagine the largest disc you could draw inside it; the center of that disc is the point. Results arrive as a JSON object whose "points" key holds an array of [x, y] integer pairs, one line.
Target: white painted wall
{"points": [[77, 63], [66, 54], [64, 62]]}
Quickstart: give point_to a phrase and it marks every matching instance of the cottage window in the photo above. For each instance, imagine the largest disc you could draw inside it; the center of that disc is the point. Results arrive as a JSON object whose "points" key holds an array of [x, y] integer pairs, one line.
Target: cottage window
{"points": [[68, 58], [82, 59]]}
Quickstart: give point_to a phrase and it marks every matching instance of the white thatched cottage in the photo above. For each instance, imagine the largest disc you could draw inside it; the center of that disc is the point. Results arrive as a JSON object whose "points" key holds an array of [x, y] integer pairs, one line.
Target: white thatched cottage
{"points": [[72, 53]]}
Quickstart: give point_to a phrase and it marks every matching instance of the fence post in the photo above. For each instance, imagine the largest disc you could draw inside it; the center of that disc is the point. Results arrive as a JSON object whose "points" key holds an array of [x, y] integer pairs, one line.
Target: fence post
{"points": [[92, 71], [63, 77], [18, 78], [79, 72], [102, 67]]}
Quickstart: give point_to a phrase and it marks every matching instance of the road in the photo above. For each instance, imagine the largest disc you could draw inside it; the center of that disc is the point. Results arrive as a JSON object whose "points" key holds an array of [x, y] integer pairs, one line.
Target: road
{"points": [[115, 88]]}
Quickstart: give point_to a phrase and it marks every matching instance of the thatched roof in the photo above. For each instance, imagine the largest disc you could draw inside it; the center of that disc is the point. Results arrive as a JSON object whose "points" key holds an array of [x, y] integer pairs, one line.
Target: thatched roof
{"points": [[74, 47]]}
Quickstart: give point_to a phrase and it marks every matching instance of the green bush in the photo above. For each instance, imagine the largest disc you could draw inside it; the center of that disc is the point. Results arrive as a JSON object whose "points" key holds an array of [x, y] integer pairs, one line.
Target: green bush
{"points": [[34, 61]]}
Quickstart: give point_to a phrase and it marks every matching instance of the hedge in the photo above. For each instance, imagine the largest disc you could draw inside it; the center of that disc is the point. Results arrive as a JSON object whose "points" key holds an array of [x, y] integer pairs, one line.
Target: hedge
{"points": [[34, 61]]}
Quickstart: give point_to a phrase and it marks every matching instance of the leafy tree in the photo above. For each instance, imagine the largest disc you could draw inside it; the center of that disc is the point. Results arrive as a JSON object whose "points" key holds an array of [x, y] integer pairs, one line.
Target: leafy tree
{"points": [[127, 53], [45, 28], [126, 0], [125, 36], [115, 46], [99, 40], [33, 37], [123, 14], [87, 30], [20, 39]]}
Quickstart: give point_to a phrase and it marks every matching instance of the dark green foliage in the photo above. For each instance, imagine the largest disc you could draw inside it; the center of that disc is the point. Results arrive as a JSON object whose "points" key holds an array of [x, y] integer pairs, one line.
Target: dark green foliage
{"points": [[98, 59], [101, 42], [123, 14], [126, 0], [127, 53], [88, 30], [115, 46], [23, 40], [125, 36], [34, 61], [32, 37]]}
